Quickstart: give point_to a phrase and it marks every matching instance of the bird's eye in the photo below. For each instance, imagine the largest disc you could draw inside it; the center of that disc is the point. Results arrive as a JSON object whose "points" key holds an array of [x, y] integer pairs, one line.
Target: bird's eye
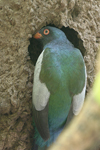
{"points": [[46, 32]]}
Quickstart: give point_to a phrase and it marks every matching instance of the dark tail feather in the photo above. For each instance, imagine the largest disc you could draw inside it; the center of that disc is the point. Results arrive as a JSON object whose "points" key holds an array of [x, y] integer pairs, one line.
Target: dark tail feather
{"points": [[34, 146], [42, 148]]}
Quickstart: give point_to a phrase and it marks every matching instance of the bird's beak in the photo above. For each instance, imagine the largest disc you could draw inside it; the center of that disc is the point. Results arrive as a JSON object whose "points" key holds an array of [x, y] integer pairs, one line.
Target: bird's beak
{"points": [[37, 35]]}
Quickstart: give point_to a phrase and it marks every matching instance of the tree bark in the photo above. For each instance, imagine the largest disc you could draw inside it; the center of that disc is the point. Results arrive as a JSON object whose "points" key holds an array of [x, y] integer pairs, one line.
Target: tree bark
{"points": [[19, 20]]}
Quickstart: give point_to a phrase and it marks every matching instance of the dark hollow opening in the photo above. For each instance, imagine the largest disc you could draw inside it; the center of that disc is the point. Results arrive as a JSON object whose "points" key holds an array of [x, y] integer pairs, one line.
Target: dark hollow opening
{"points": [[35, 47]]}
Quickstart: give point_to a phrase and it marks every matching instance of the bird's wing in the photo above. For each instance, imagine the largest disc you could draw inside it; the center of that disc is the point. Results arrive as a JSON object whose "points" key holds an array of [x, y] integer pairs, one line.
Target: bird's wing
{"points": [[40, 91], [78, 100], [40, 99], [70, 115]]}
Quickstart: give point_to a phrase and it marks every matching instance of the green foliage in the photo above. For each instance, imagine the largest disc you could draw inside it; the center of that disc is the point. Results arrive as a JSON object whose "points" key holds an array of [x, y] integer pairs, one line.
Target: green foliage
{"points": [[96, 88]]}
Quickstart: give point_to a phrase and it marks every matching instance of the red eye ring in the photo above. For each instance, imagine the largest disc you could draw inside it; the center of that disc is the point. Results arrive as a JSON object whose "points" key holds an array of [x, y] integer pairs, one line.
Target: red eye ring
{"points": [[46, 31]]}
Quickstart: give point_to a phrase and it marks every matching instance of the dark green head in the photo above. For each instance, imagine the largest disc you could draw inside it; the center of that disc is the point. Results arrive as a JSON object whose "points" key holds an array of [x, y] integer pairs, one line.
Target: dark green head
{"points": [[48, 34]]}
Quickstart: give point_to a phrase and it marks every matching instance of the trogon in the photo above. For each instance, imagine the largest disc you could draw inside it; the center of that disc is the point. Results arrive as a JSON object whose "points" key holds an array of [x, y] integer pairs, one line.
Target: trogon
{"points": [[59, 85]]}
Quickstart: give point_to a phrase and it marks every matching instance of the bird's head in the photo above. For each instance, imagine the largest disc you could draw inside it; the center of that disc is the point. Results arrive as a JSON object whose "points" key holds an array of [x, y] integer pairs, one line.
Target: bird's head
{"points": [[48, 34]]}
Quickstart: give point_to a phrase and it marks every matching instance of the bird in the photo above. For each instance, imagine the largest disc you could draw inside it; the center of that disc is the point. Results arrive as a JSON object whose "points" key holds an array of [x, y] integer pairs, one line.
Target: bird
{"points": [[59, 86]]}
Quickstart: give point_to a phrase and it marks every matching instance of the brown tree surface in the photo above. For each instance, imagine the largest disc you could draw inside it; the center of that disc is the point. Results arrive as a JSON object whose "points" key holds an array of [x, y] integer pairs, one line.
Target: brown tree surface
{"points": [[19, 19]]}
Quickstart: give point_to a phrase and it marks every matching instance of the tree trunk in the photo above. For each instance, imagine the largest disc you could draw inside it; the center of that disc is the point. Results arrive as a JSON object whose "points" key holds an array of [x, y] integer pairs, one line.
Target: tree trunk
{"points": [[19, 19]]}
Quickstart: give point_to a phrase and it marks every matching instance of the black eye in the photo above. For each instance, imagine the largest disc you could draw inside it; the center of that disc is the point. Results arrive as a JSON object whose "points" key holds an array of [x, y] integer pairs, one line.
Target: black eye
{"points": [[46, 32]]}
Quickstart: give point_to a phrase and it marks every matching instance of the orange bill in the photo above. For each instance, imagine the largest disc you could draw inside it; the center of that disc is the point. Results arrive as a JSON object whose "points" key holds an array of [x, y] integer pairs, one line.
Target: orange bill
{"points": [[37, 35]]}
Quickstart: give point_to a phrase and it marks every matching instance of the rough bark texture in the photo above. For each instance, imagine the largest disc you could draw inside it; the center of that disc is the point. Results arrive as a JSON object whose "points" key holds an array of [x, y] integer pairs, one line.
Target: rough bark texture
{"points": [[20, 19]]}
